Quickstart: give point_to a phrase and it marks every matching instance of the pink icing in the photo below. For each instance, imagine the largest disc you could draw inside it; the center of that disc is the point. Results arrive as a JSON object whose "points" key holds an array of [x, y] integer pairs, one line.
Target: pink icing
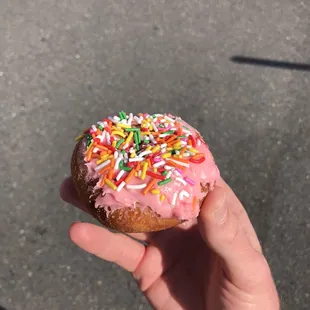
{"points": [[203, 173]]}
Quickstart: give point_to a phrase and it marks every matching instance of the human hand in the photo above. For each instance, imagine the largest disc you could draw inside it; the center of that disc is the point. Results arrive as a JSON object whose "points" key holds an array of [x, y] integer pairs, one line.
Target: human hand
{"points": [[213, 263]]}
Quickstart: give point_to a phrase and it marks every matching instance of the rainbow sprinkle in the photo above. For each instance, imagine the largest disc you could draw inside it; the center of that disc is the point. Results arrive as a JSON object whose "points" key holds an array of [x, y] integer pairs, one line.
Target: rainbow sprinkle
{"points": [[155, 149]]}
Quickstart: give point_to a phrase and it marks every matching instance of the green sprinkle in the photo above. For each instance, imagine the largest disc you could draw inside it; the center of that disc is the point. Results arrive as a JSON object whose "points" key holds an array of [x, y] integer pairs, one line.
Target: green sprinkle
{"points": [[146, 141], [173, 152], [121, 165], [123, 152], [185, 127], [169, 132], [88, 142], [154, 115], [165, 172], [136, 139], [100, 127], [139, 136], [182, 137], [119, 142], [161, 126], [132, 129], [164, 182]]}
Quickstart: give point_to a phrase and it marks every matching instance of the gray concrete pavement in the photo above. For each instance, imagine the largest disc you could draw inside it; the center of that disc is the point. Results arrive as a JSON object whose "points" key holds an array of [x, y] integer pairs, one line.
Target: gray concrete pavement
{"points": [[64, 63]]}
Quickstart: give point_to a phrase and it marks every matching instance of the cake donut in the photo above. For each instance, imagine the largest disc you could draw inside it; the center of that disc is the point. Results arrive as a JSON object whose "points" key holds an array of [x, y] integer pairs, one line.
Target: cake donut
{"points": [[142, 173]]}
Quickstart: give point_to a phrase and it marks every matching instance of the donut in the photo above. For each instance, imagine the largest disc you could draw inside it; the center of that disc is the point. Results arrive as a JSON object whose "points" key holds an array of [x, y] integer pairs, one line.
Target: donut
{"points": [[144, 172]]}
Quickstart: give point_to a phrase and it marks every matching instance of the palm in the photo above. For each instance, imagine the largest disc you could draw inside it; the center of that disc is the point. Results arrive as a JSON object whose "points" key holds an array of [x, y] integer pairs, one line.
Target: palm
{"points": [[177, 270]]}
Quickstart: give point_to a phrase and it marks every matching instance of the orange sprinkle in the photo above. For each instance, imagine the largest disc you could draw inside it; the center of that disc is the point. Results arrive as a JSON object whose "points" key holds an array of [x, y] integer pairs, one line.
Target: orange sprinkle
{"points": [[182, 151], [181, 159], [89, 153], [149, 186], [130, 175], [149, 162], [172, 163], [110, 174], [112, 162], [102, 181], [173, 137], [103, 170], [101, 147], [194, 203], [94, 155], [138, 166]]}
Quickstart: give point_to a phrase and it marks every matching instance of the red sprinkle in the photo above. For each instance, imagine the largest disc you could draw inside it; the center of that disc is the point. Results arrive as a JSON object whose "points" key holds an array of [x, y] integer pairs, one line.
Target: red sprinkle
{"points": [[155, 175], [198, 158], [192, 139]]}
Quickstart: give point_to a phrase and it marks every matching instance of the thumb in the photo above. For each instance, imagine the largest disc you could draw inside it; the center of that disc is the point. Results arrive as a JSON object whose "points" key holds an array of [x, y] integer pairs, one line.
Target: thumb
{"points": [[222, 230]]}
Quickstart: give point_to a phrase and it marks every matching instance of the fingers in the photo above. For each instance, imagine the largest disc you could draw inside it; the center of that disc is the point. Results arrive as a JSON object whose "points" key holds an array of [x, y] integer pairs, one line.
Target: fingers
{"points": [[116, 248], [225, 233], [238, 210]]}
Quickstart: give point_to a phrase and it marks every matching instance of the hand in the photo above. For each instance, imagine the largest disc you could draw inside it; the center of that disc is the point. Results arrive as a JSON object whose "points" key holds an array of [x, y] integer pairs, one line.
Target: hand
{"points": [[213, 263]]}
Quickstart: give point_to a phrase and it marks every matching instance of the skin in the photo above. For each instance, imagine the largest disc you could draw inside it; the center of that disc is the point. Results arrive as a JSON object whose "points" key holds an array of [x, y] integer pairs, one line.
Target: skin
{"points": [[213, 262]]}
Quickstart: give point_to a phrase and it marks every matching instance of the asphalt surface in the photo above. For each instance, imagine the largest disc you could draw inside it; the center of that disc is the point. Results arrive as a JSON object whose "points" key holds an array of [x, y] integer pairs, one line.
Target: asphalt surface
{"points": [[65, 63]]}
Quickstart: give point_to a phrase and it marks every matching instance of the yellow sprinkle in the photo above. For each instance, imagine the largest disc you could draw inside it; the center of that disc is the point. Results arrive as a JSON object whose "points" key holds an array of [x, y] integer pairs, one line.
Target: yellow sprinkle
{"points": [[110, 184], [122, 125], [133, 154], [155, 191], [155, 170], [166, 155], [169, 148], [136, 173], [78, 138], [177, 145], [102, 159], [116, 132], [143, 174], [156, 149], [148, 148], [193, 150], [129, 138], [143, 133], [114, 143], [162, 197]]}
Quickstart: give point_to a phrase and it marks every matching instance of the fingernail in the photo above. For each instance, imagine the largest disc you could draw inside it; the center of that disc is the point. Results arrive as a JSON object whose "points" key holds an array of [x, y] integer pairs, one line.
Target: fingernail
{"points": [[220, 213]]}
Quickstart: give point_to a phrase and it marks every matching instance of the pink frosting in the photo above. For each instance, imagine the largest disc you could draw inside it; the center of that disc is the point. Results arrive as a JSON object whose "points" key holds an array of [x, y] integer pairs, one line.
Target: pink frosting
{"points": [[203, 173]]}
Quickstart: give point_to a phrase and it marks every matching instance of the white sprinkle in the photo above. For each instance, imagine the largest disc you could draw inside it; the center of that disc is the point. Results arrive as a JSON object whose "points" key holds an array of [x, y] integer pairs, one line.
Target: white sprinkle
{"points": [[154, 127], [137, 119], [169, 174], [137, 186], [163, 145], [101, 123], [186, 154], [161, 163], [173, 128], [169, 119], [135, 159], [105, 123], [177, 152], [163, 150], [118, 160], [174, 199], [180, 179], [115, 154], [186, 131], [177, 173], [152, 139], [163, 135], [139, 173], [108, 138], [157, 115], [125, 146], [166, 125], [120, 174], [144, 153], [95, 150], [120, 187], [163, 120], [183, 194], [198, 142], [112, 120], [168, 167], [130, 118], [102, 165], [180, 163], [93, 127], [116, 118], [131, 150], [155, 119], [183, 142]]}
